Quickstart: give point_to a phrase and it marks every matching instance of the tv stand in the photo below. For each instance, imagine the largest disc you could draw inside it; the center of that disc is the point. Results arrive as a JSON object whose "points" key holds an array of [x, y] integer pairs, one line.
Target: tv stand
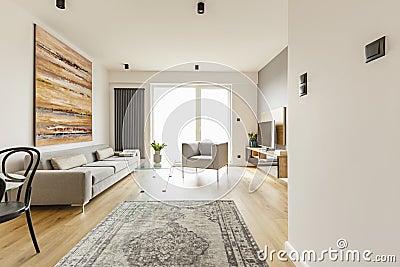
{"points": [[263, 159]]}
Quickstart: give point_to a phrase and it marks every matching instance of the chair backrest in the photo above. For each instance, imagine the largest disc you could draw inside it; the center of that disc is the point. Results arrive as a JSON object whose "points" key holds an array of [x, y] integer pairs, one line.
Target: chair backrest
{"points": [[205, 148], [29, 172]]}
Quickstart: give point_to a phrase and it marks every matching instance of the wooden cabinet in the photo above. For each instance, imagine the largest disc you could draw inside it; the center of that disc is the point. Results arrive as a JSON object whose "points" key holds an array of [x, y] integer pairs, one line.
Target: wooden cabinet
{"points": [[264, 159]]}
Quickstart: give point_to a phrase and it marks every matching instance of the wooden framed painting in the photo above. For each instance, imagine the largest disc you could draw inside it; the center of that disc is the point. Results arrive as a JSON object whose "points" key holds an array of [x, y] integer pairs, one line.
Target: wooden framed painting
{"points": [[63, 92]]}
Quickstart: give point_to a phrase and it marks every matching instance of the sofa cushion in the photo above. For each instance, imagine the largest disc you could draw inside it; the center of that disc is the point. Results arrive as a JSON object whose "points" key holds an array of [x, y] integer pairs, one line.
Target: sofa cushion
{"points": [[117, 165], [98, 173], [104, 153], [68, 162], [202, 157], [203, 161], [205, 148]]}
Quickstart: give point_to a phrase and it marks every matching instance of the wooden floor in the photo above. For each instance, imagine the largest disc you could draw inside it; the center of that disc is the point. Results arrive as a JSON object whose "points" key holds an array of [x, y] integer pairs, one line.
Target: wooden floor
{"points": [[60, 228]]}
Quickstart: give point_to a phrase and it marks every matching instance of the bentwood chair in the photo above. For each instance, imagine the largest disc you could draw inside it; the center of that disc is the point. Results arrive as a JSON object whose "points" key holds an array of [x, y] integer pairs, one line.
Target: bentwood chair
{"points": [[2, 187], [13, 209]]}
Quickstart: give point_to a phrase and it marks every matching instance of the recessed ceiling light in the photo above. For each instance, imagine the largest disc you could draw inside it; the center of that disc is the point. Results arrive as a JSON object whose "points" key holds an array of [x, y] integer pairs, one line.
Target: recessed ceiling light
{"points": [[60, 4], [200, 8]]}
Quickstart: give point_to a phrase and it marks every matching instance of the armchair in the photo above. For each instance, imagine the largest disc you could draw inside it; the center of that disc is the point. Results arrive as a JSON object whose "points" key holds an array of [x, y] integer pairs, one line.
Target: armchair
{"points": [[204, 155]]}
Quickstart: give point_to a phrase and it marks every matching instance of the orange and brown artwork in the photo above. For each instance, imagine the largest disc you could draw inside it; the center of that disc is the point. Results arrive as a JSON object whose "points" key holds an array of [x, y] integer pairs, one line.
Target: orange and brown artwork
{"points": [[63, 85]]}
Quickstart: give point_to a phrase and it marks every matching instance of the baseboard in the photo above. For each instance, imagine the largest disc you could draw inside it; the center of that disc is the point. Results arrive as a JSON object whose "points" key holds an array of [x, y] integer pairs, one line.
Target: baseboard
{"points": [[289, 248]]}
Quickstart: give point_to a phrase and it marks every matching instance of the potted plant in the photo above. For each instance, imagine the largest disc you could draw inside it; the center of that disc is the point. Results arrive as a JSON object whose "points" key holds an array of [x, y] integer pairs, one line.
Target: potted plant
{"points": [[252, 139], [157, 148]]}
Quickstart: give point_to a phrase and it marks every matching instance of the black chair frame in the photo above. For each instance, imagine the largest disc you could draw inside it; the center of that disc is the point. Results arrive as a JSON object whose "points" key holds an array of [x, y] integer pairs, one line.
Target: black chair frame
{"points": [[12, 209]]}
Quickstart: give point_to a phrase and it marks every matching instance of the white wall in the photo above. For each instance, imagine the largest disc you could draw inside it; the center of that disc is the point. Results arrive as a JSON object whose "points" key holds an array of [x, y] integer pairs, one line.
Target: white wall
{"points": [[273, 84], [344, 135], [272, 81], [16, 89], [244, 98]]}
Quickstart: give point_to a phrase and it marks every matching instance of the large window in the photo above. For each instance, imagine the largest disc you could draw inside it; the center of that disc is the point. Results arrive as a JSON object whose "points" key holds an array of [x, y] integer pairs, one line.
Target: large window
{"points": [[166, 104], [190, 113], [215, 114]]}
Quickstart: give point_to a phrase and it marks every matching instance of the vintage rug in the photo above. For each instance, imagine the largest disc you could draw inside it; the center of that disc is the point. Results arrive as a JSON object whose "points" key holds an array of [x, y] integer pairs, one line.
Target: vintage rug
{"points": [[158, 234]]}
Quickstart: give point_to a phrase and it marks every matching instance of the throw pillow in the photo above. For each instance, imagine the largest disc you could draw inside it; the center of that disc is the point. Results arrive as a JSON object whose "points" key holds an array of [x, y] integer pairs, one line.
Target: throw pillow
{"points": [[68, 162], [104, 153]]}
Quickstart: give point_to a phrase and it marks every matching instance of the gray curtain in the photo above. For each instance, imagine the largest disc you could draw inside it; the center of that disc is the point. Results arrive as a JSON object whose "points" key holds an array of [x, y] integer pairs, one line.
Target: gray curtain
{"points": [[129, 119]]}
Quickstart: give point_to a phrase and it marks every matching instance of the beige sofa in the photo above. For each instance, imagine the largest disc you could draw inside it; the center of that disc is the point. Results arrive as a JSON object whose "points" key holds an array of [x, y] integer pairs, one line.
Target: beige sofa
{"points": [[78, 185]]}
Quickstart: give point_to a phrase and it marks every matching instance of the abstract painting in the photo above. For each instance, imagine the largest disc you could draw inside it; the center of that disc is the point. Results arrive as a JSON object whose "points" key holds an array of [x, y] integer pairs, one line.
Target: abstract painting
{"points": [[63, 92]]}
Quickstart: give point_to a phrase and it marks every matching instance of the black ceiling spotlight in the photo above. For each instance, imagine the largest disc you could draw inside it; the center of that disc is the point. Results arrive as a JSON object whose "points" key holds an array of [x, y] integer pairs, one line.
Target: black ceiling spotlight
{"points": [[126, 66], [60, 4], [200, 8], [196, 67]]}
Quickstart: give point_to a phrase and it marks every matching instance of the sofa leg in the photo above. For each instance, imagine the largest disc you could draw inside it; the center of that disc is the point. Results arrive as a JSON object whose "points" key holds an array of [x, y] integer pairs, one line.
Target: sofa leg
{"points": [[227, 169], [196, 170], [217, 175], [183, 172], [79, 205]]}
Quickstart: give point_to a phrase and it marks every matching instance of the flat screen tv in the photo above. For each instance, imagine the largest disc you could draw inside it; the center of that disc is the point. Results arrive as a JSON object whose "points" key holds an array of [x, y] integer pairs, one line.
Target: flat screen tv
{"points": [[266, 134]]}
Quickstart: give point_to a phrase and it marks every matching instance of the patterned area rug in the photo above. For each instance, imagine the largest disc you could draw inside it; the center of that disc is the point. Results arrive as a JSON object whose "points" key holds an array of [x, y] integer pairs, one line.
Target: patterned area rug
{"points": [[157, 234]]}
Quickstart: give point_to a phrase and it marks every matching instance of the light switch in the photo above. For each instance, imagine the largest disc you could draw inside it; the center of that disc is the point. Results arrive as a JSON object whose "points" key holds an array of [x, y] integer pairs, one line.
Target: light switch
{"points": [[303, 85], [375, 50]]}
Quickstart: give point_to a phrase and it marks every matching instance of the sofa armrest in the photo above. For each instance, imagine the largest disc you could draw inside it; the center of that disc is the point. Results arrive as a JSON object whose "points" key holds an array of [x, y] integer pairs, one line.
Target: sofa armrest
{"points": [[61, 187], [189, 150], [220, 155]]}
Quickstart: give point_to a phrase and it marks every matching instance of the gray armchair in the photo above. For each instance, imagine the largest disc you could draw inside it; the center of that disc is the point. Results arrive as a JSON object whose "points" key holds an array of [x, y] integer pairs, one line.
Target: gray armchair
{"points": [[204, 155]]}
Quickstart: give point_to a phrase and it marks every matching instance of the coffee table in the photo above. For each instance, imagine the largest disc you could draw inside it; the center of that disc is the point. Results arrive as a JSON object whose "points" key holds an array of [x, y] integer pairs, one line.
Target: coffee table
{"points": [[157, 168]]}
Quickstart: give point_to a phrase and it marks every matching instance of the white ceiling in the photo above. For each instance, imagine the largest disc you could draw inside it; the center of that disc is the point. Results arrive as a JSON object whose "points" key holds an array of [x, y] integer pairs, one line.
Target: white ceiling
{"points": [[153, 35]]}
